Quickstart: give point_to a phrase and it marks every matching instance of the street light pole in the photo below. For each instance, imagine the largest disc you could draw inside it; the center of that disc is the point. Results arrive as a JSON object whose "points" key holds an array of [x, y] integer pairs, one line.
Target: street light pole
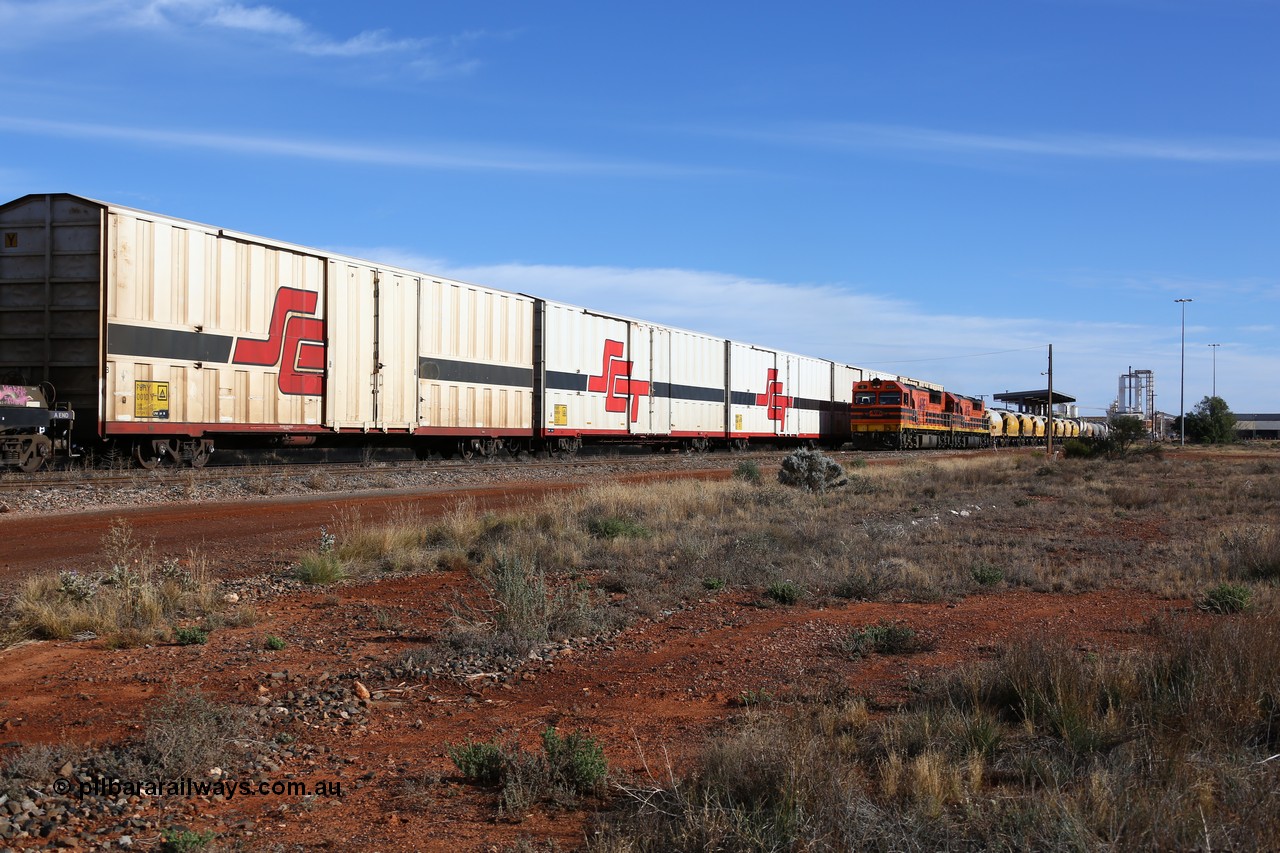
{"points": [[1215, 368], [1048, 432], [1182, 378]]}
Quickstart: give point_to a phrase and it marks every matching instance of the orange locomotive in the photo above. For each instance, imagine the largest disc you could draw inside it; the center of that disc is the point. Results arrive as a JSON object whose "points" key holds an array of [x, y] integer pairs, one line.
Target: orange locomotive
{"points": [[904, 414]]}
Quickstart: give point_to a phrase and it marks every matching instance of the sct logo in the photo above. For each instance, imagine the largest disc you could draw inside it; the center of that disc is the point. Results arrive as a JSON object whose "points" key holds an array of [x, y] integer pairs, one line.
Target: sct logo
{"points": [[772, 398], [295, 337], [615, 381]]}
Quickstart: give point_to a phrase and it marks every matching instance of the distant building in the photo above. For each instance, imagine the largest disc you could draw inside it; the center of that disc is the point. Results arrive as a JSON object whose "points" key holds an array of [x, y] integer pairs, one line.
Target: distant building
{"points": [[1258, 426]]}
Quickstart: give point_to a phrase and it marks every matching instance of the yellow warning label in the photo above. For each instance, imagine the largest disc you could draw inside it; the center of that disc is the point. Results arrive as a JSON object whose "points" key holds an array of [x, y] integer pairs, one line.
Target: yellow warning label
{"points": [[150, 399], [561, 417], [737, 423]]}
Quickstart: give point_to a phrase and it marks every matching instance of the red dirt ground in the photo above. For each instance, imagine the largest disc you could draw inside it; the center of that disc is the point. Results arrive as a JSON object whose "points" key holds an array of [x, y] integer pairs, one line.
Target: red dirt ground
{"points": [[652, 696]]}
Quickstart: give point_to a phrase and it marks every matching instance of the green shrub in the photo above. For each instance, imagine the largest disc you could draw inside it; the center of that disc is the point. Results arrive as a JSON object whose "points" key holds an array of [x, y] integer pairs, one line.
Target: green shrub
{"points": [[985, 574], [886, 638], [320, 569], [570, 765], [713, 584], [324, 566], [576, 761], [182, 840], [481, 763], [617, 528], [274, 643], [1228, 598], [1077, 449], [747, 470], [783, 592], [752, 698], [191, 636]]}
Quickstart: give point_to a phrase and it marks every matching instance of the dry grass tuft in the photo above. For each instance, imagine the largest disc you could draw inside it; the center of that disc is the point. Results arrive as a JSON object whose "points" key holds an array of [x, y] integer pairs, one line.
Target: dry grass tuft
{"points": [[135, 598], [1042, 749]]}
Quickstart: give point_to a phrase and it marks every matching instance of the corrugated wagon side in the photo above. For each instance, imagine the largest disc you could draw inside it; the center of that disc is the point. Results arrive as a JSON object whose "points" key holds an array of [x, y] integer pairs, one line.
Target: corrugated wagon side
{"points": [[168, 335], [609, 378]]}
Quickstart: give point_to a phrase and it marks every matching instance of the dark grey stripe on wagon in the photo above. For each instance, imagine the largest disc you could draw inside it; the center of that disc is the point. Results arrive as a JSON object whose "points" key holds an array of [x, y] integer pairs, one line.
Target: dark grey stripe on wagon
{"points": [[746, 398], [170, 344], [811, 405], [688, 392], [448, 370], [560, 381]]}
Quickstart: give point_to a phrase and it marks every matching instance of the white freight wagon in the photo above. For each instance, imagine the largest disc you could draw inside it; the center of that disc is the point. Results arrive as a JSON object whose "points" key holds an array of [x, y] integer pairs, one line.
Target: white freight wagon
{"points": [[167, 335], [613, 377]]}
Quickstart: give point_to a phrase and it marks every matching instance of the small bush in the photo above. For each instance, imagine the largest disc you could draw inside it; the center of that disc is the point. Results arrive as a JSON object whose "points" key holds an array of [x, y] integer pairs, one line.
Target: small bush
{"points": [[274, 643], [985, 574], [187, 734], [886, 638], [570, 765], [576, 761], [617, 528], [191, 636], [481, 763], [753, 698], [713, 584], [133, 599], [812, 471], [320, 569], [748, 471], [1228, 598], [1077, 449], [783, 592], [182, 840]]}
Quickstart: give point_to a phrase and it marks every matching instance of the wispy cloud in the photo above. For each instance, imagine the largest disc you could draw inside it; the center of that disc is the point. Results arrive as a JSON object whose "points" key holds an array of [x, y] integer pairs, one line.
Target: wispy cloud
{"points": [[29, 23], [420, 156], [1166, 285], [1093, 146]]}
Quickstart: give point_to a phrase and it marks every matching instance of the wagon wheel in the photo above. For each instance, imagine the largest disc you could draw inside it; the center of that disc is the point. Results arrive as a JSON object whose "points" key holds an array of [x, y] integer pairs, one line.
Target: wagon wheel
{"points": [[149, 454], [34, 454], [466, 450], [201, 453]]}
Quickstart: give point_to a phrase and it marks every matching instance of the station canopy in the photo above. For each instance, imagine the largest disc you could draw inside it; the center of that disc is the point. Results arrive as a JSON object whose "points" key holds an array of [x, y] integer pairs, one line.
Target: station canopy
{"points": [[1033, 402]]}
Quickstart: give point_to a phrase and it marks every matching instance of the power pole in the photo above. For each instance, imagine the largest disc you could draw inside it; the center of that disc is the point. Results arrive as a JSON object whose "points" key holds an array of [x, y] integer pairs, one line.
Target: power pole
{"points": [[1215, 368], [1182, 391], [1048, 431]]}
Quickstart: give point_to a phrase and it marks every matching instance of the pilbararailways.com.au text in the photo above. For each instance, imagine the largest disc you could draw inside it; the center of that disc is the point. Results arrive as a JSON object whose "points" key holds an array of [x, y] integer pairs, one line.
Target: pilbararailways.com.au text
{"points": [[227, 788]]}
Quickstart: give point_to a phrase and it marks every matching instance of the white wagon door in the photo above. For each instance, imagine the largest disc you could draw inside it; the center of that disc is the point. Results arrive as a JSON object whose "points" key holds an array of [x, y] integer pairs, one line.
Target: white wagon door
{"points": [[353, 335], [660, 422], [782, 395], [395, 369], [373, 344], [636, 386]]}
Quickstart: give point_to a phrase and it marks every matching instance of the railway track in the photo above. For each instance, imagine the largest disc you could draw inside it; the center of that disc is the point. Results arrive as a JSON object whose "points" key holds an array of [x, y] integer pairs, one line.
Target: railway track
{"points": [[339, 471]]}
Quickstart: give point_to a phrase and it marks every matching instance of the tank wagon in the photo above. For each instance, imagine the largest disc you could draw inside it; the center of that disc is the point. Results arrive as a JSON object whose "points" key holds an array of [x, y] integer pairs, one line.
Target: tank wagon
{"points": [[170, 338]]}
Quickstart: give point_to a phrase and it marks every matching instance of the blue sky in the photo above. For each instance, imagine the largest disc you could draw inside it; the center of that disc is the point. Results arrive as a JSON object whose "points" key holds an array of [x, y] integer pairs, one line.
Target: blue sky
{"points": [[932, 188]]}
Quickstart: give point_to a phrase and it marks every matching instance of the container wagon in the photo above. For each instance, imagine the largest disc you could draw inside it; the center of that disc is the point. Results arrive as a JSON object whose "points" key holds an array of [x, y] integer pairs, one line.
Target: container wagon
{"points": [[169, 337]]}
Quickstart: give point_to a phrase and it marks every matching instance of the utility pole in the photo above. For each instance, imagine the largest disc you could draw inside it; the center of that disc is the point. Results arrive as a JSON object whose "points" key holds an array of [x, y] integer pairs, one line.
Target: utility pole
{"points": [[1182, 390], [1048, 431], [1215, 368]]}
